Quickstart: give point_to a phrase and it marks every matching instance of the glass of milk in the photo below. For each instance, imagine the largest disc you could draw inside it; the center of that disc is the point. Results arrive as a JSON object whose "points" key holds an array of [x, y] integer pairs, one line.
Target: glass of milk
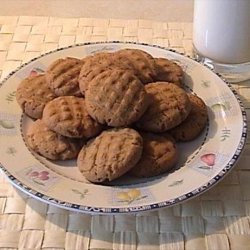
{"points": [[221, 36]]}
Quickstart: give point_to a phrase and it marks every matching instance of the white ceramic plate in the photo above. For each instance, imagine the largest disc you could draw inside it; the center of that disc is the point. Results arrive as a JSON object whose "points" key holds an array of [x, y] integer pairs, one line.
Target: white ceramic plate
{"points": [[202, 163]]}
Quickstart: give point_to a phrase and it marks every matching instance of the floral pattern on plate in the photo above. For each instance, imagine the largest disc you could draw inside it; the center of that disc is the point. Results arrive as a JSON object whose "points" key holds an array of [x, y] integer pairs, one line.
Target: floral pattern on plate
{"points": [[45, 179], [98, 49], [31, 69], [225, 134], [36, 71], [208, 162], [222, 106], [82, 194], [11, 151], [131, 196], [10, 97], [8, 124]]}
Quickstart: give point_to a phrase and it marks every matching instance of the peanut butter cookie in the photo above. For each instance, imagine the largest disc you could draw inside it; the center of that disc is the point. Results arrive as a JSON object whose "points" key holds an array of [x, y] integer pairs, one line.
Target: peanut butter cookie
{"points": [[67, 115], [32, 95], [159, 155], [98, 63], [194, 124], [49, 144], [143, 63], [168, 71], [62, 76], [116, 98], [110, 155], [169, 106]]}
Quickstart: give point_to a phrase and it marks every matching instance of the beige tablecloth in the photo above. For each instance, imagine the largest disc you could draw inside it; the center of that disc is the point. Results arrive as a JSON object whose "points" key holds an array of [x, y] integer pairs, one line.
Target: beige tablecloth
{"points": [[217, 220]]}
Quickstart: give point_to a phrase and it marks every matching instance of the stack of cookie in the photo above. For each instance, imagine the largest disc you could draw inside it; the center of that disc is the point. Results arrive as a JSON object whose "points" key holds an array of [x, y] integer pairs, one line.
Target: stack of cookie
{"points": [[118, 113]]}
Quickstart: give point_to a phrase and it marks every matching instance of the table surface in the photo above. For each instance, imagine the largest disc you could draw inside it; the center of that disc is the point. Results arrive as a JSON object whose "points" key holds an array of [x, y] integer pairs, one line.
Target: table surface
{"points": [[216, 220]]}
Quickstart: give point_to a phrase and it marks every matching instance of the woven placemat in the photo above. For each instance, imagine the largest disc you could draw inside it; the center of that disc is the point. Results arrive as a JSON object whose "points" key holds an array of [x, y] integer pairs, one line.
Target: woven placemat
{"points": [[217, 220]]}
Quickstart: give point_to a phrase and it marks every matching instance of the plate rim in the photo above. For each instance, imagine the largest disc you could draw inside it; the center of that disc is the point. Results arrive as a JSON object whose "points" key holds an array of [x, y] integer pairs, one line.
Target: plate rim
{"points": [[136, 208]]}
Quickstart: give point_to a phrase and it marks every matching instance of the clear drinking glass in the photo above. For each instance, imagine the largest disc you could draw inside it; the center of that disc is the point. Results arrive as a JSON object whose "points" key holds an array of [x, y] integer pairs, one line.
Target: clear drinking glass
{"points": [[221, 36]]}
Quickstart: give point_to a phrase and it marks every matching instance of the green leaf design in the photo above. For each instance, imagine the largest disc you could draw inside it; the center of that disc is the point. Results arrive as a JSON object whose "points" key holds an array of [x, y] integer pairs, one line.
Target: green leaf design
{"points": [[225, 134], [82, 194], [221, 106], [104, 48], [76, 191], [218, 106], [175, 183], [38, 182], [123, 201], [205, 84], [6, 124], [11, 96], [205, 167], [224, 137], [141, 198], [11, 151], [39, 70], [128, 202]]}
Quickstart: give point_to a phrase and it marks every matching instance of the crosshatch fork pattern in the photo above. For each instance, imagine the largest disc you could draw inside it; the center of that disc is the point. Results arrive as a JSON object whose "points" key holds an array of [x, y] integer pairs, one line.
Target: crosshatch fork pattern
{"points": [[216, 220]]}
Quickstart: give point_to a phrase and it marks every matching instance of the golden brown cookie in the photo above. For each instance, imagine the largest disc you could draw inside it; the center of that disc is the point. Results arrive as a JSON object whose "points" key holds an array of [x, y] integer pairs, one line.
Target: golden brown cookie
{"points": [[116, 98], [67, 115], [49, 144], [169, 106], [110, 155], [32, 94], [168, 71], [194, 124], [159, 155], [62, 76], [143, 63], [96, 64]]}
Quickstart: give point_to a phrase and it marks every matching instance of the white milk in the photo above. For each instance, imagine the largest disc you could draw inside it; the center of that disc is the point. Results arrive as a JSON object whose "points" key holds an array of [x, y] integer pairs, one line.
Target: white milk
{"points": [[222, 30]]}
